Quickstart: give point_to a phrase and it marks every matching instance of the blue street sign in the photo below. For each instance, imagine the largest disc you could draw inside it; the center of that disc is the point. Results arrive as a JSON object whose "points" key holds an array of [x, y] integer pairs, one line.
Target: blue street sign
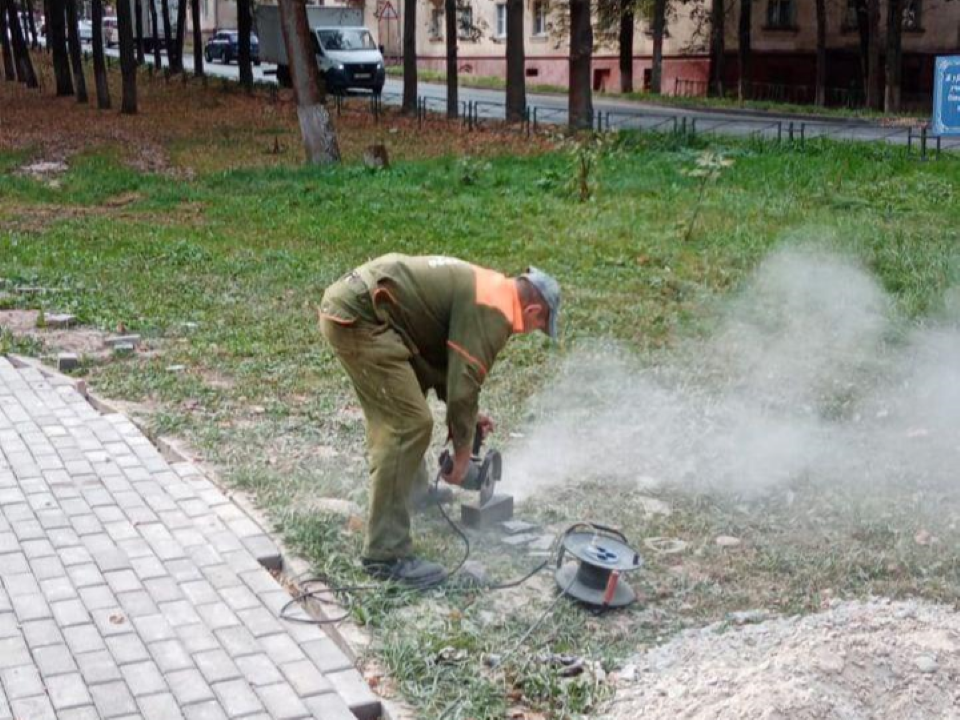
{"points": [[946, 96]]}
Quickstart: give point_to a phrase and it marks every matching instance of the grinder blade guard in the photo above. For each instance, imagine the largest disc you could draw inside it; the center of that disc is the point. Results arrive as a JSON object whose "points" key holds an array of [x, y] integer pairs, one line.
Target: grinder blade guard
{"points": [[603, 555], [483, 473]]}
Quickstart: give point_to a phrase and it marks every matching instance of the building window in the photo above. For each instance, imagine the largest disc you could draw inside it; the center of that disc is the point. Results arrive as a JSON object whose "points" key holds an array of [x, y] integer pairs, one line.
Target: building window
{"points": [[465, 22], [501, 21], [911, 15], [539, 17], [436, 24], [780, 14]]}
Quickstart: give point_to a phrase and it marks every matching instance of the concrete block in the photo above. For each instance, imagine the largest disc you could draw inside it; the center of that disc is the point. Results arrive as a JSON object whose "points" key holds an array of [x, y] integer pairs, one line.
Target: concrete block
{"points": [[58, 321], [327, 655], [127, 649], [54, 660], [113, 699], [281, 702], [497, 510], [189, 686], [514, 527], [21, 681], [129, 340], [265, 551], [170, 656], [521, 539], [37, 707], [259, 670], [98, 667], [205, 711], [143, 678], [159, 707], [216, 666], [123, 349], [237, 698], [350, 685], [67, 362], [67, 691], [306, 679]]}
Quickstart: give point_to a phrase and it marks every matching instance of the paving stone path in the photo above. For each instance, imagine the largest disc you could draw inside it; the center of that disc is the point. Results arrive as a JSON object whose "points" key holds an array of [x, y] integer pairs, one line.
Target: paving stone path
{"points": [[129, 586]]}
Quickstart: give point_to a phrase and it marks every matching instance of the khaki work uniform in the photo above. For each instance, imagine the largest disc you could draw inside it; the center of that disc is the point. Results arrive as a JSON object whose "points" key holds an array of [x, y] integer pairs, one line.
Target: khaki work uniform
{"points": [[401, 325]]}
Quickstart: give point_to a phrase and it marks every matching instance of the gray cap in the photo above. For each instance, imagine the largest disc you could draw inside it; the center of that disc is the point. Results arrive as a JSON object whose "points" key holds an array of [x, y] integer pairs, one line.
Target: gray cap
{"points": [[550, 290]]}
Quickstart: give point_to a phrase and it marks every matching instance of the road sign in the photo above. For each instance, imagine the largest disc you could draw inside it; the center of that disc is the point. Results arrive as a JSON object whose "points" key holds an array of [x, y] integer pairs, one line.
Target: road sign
{"points": [[946, 96], [387, 11]]}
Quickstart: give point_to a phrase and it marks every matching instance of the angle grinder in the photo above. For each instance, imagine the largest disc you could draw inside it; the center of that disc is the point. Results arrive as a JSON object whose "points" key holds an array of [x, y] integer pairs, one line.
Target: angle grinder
{"points": [[483, 472]]}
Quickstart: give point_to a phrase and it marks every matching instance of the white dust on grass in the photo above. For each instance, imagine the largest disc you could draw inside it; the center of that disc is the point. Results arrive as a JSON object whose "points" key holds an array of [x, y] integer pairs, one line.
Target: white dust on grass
{"points": [[809, 375]]}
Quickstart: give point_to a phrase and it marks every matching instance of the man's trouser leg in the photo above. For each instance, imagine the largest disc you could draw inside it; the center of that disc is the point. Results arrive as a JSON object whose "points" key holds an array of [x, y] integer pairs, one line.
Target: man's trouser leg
{"points": [[399, 426]]}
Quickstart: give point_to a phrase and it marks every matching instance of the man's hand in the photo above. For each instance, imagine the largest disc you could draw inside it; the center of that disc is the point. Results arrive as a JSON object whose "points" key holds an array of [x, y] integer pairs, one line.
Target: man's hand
{"points": [[486, 425], [461, 461]]}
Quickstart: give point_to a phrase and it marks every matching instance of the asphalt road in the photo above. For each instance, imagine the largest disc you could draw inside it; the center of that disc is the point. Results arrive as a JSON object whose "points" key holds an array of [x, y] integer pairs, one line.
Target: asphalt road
{"points": [[617, 114]]}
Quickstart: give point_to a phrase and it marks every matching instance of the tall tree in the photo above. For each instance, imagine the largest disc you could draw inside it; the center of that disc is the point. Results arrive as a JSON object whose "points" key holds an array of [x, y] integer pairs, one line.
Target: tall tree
{"points": [[450, 19], [244, 28], [625, 45], [891, 100], [874, 97], [821, 79], [197, 38], [138, 27], [155, 35], [181, 30], [516, 63], [57, 37], [743, 48], [32, 25], [21, 54], [128, 59], [718, 45], [316, 127], [76, 54], [99, 62], [580, 99], [659, 26], [408, 105], [168, 43], [9, 70]]}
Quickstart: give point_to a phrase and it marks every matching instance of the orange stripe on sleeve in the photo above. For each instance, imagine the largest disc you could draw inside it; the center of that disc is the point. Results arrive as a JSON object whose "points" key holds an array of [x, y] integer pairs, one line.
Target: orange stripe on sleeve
{"points": [[470, 358]]}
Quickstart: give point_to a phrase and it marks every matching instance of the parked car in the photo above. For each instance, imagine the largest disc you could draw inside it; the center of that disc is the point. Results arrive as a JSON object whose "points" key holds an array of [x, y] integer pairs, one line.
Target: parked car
{"points": [[224, 47], [86, 31], [111, 35]]}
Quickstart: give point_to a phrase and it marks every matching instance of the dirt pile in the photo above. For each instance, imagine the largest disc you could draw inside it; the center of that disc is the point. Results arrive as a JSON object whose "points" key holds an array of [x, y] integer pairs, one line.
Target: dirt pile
{"points": [[857, 661]]}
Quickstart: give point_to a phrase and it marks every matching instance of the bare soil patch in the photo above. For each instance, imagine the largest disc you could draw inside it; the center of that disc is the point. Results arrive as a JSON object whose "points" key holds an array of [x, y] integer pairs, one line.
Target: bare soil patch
{"points": [[79, 340]]}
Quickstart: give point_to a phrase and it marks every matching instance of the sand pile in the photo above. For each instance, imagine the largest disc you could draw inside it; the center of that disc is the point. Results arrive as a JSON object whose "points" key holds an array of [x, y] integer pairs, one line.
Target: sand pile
{"points": [[858, 661]]}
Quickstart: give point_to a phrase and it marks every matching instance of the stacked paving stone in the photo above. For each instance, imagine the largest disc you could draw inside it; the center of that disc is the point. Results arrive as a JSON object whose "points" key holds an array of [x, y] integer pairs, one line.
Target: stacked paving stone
{"points": [[128, 588]]}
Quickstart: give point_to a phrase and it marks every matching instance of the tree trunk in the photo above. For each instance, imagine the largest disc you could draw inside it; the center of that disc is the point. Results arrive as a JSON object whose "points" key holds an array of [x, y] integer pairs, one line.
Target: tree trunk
{"points": [[128, 58], [57, 37], [168, 36], [580, 101], [198, 37], [181, 31], [9, 70], [32, 25], [718, 45], [821, 79], [76, 54], [319, 135], [155, 35], [450, 18], [659, 25], [99, 63], [891, 102], [627, 23], [244, 28], [409, 104], [874, 96], [138, 24], [863, 31], [21, 54], [516, 63], [743, 49]]}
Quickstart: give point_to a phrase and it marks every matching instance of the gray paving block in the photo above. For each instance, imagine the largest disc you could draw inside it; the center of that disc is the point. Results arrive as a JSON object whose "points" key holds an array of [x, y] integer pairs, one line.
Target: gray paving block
{"points": [[153, 628], [217, 615], [70, 612], [351, 686], [205, 711], [143, 678], [88, 712], [111, 621], [327, 656], [216, 666], [98, 667], [138, 603], [281, 648], [56, 589], [260, 621], [33, 708], [189, 686], [97, 597], [237, 641], [21, 681], [160, 707], [123, 581], [329, 706], [127, 649], [281, 702], [54, 660], [258, 669], [170, 655], [306, 679], [113, 699], [237, 698], [264, 551], [200, 592], [68, 691], [197, 638]]}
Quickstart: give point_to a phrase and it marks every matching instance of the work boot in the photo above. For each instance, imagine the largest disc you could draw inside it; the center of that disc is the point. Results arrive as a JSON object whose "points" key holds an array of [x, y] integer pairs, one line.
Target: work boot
{"points": [[409, 571], [433, 495]]}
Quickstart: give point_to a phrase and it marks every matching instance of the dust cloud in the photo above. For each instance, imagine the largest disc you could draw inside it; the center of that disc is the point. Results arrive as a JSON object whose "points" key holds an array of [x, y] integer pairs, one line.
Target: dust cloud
{"points": [[809, 376]]}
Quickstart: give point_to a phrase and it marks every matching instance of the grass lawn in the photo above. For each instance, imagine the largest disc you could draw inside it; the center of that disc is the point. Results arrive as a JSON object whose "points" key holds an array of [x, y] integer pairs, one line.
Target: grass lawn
{"points": [[218, 256]]}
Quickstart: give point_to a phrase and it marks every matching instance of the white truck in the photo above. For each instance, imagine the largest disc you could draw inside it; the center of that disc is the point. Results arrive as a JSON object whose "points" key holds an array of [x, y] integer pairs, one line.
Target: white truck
{"points": [[347, 55]]}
